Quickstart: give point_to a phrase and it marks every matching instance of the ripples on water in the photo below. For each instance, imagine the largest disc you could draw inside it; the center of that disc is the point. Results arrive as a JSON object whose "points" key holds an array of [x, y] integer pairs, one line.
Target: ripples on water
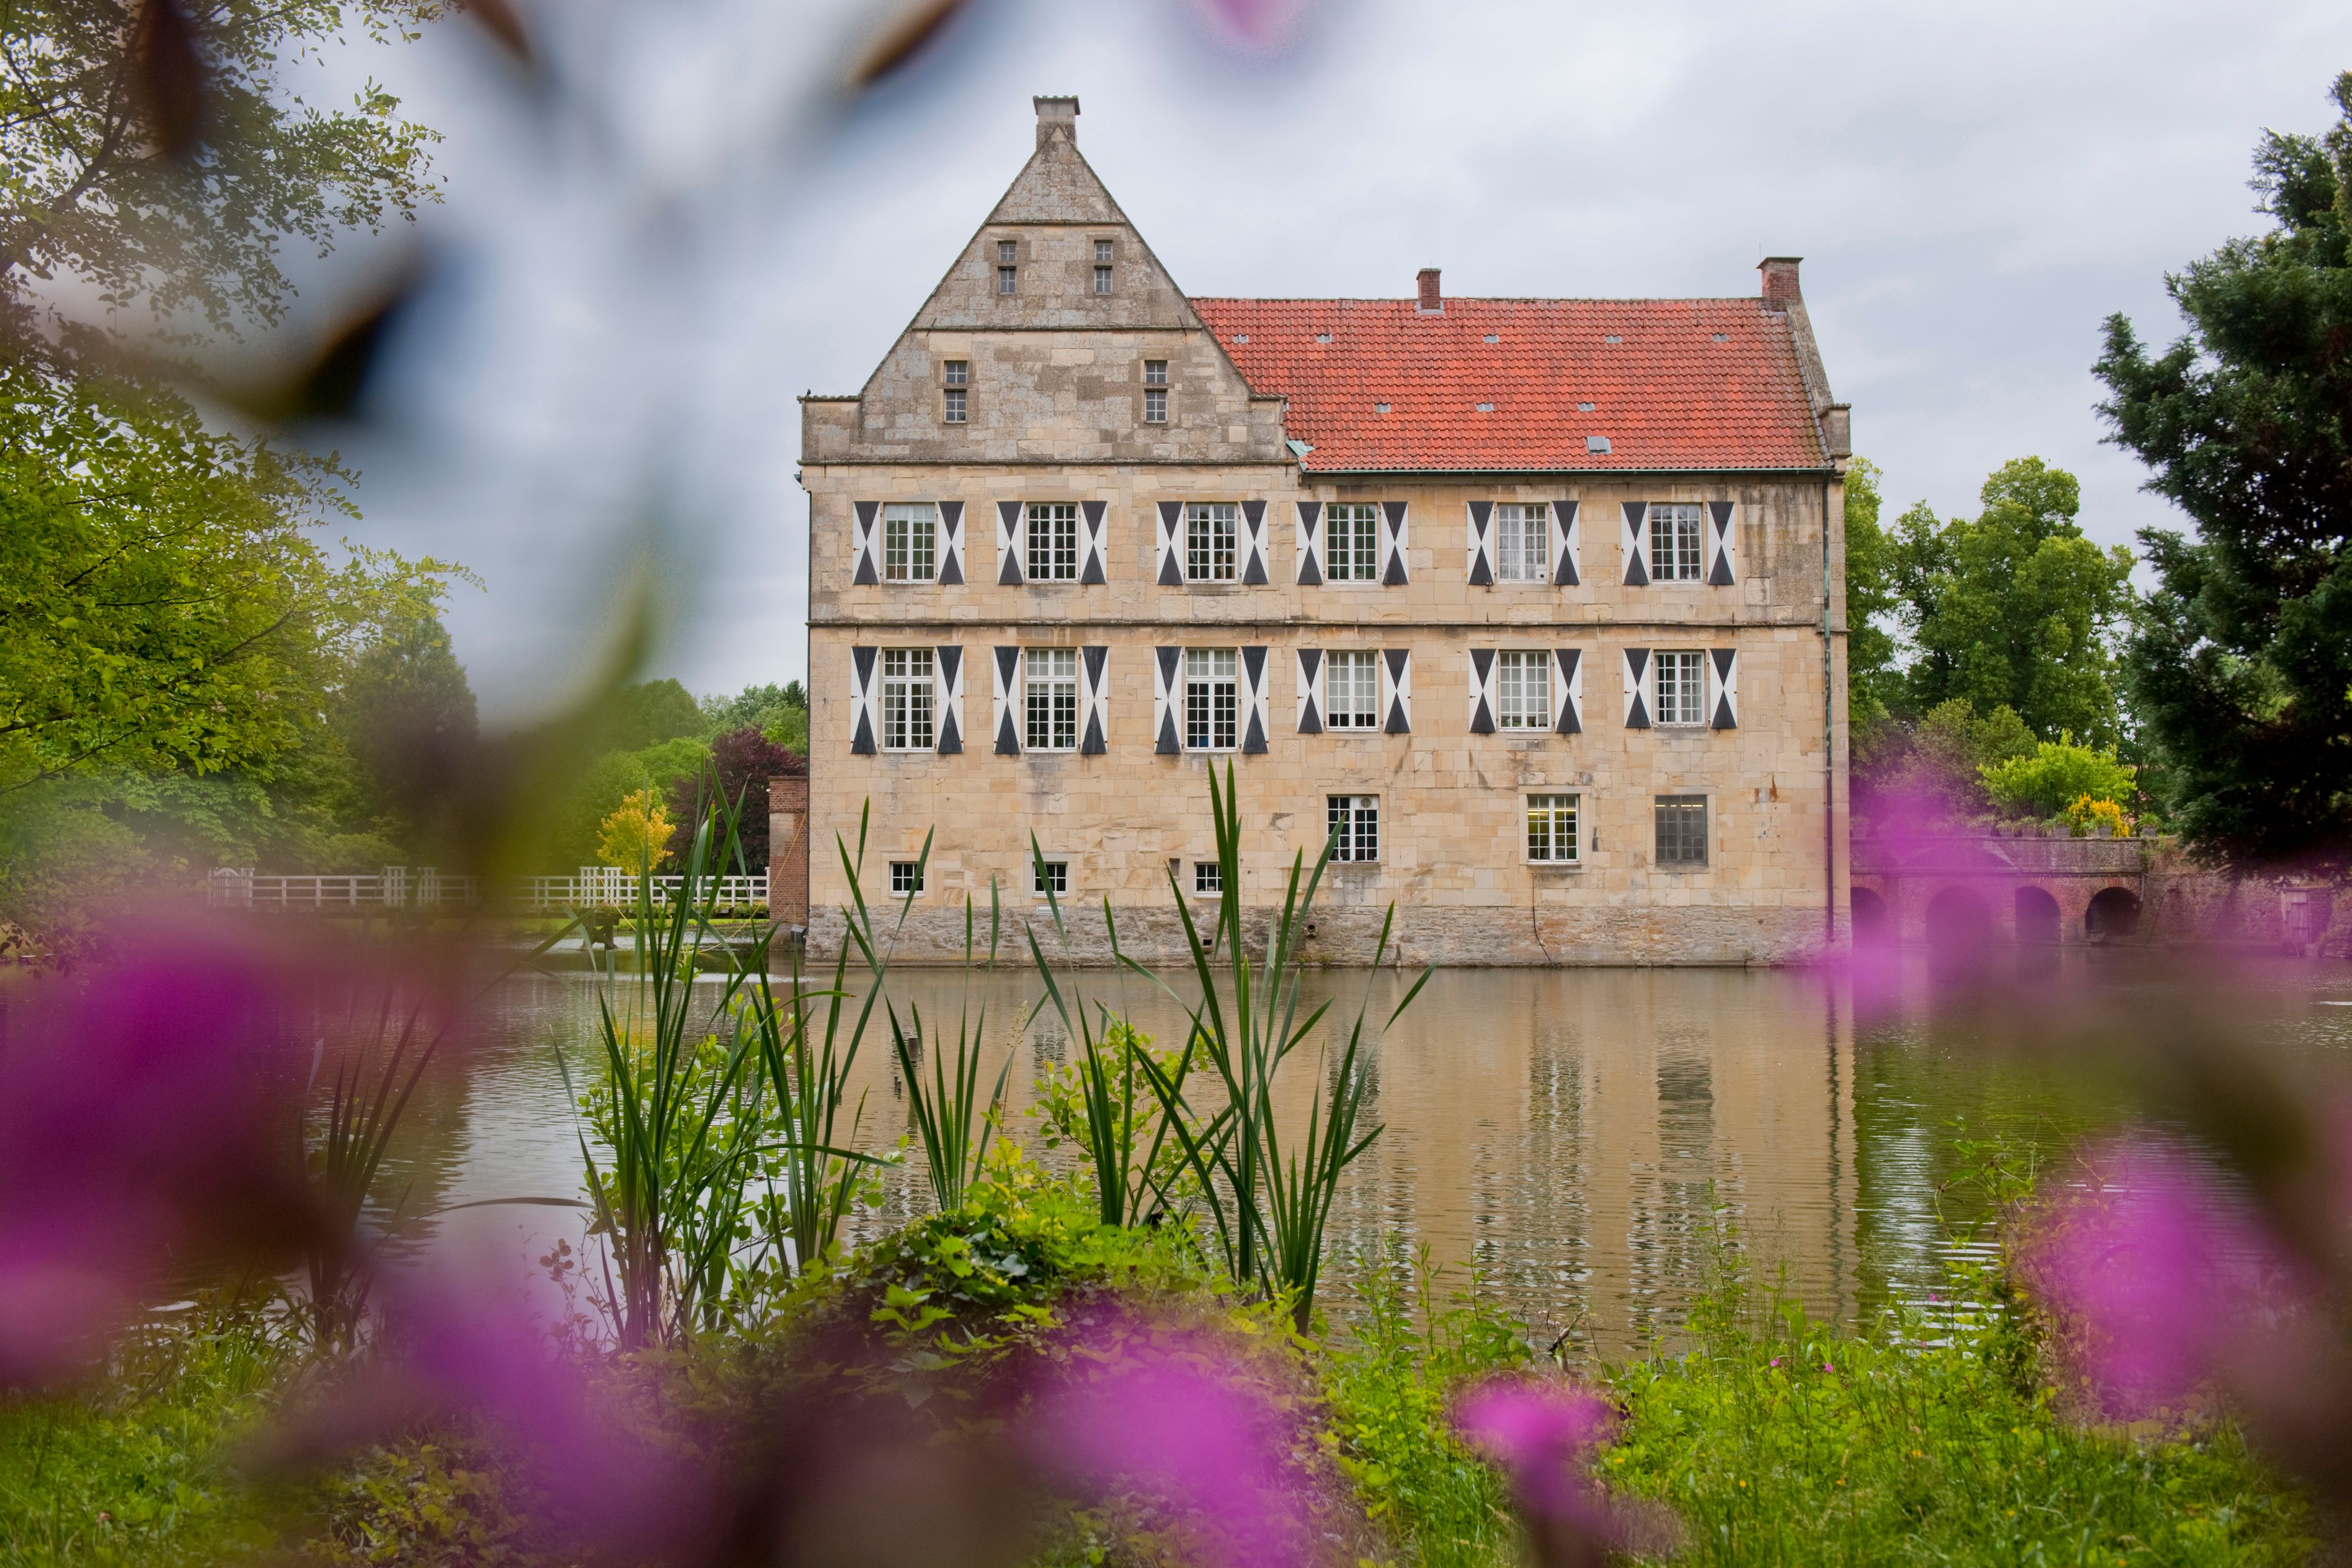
{"points": [[1573, 1133]]}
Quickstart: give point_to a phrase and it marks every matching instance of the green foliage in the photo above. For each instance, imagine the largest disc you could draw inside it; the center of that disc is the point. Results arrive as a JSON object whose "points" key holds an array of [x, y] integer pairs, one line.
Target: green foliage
{"points": [[780, 713], [2058, 773], [635, 837], [2239, 662], [406, 714], [649, 712], [579, 814], [1937, 765], [1102, 1106], [1874, 674]]}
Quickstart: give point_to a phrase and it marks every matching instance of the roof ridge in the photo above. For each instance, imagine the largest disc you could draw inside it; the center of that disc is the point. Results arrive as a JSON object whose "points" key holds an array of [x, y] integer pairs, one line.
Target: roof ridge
{"points": [[1756, 300]]}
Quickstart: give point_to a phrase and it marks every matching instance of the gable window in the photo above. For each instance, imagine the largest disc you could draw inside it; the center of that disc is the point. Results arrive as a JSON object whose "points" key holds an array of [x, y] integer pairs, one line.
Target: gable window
{"points": [[1008, 273], [1102, 266], [1681, 687], [1355, 826], [906, 877], [1673, 542], [906, 699], [1049, 877], [1523, 683], [1211, 699], [1155, 391], [909, 541], [1523, 542], [958, 378], [1051, 677], [1208, 876], [1682, 831], [1352, 688], [1351, 542], [1551, 829], [1054, 542], [1208, 529]]}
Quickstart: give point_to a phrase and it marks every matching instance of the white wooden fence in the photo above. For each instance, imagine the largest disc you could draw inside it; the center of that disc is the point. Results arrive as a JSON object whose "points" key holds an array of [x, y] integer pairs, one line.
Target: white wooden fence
{"points": [[423, 887], [607, 887]]}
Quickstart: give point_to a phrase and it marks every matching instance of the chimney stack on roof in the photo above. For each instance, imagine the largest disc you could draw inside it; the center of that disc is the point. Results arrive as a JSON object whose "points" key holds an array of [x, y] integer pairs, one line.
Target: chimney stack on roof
{"points": [[1780, 289], [1429, 299], [1056, 111]]}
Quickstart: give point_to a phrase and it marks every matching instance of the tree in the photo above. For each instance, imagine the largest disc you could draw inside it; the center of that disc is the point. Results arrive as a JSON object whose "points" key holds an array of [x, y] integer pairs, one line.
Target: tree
{"points": [[779, 713], [649, 712], [2058, 774], [1928, 773], [2239, 662], [635, 837], [743, 760], [407, 718], [1873, 674]]}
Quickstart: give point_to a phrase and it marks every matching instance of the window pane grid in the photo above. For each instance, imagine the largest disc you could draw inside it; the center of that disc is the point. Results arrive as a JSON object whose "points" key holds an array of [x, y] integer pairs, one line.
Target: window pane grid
{"points": [[1551, 829], [1354, 823], [1351, 691], [1209, 530], [1052, 876], [1051, 675], [909, 541], [1524, 683], [1211, 700], [1208, 876], [1682, 830], [956, 405], [1102, 280], [1673, 542], [1054, 542], [1523, 542], [906, 699], [1351, 542], [906, 877], [1681, 688]]}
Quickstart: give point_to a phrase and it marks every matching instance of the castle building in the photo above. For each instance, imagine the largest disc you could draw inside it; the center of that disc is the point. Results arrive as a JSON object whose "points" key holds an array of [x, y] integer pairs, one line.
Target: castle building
{"points": [[1534, 608]]}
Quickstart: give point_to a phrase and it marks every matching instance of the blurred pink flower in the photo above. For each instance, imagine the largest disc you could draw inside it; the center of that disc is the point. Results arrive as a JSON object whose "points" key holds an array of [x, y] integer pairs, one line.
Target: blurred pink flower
{"points": [[1537, 1431]]}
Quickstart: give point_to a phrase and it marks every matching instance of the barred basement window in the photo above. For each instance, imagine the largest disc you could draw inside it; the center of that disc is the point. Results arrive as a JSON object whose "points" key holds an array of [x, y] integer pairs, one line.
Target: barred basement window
{"points": [[906, 877], [906, 699], [1211, 699], [1208, 876], [1523, 681], [1523, 542], [1351, 542], [1209, 530], [1673, 542], [1355, 823], [1682, 831], [1351, 691], [1551, 829], [1049, 876], [1054, 542], [1682, 688], [1051, 677], [909, 541]]}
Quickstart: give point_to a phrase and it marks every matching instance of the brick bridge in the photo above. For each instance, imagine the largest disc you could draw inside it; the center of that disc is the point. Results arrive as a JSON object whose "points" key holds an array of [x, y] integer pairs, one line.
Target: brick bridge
{"points": [[1978, 886]]}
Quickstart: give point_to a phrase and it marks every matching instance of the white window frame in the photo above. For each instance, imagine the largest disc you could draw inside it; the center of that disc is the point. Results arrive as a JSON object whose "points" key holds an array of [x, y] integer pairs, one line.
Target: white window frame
{"points": [[1357, 557], [911, 539], [1049, 698], [1353, 821], [1522, 541], [1042, 869], [1052, 546], [1677, 541], [1008, 266], [1362, 685], [1208, 879], [906, 877], [1213, 535], [1155, 405], [1546, 816], [1687, 706], [955, 406], [1705, 831], [909, 699], [1213, 707], [1523, 690]]}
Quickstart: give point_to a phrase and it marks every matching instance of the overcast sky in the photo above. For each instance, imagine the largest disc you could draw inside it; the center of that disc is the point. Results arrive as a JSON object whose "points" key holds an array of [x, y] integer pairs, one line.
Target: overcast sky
{"points": [[636, 272]]}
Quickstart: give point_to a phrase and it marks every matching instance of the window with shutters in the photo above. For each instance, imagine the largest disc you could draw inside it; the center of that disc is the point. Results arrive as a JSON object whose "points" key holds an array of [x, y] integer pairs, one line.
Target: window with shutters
{"points": [[1008, 274], [1523, 542], [906, 703], [1210, 528], [1681, 686], [1551, 829], [1211, 699], [1051, 678], [1351, 691], [1682, 831], [909, 541], [1355, 826], [1523, 690], [1351, 542], [1208, 876], [1049, 877], [1673, 542], [1054, 541], [906, 877]]}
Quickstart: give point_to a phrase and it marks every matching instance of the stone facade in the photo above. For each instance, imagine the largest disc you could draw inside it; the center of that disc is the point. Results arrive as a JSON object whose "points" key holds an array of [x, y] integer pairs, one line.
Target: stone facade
{"points": [[1055, 383]]}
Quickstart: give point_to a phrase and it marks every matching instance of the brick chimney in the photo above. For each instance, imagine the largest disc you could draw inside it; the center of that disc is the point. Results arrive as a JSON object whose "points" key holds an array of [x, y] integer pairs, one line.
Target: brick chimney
{"points": [[1430, 298], [1780, 289], [1056, 111]]}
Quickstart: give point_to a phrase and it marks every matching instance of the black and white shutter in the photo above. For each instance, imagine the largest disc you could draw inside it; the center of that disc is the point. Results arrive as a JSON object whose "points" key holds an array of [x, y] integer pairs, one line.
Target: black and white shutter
{"points": [[861, 701], [951, 540], [1723, 688], [1171, 543], [1011, 544], [1482, 691], [1637, 544], [1090, 543], [1310, 691], [1567, 691], [949, 727], [1637, 688], [1720, 572], [1396, 691], [1310, 564], [1167, 740], [1005, 715], [1567, 544], [1255, 679], [1393, 544], [1254, 545], [1093, 701], [864, 570], [1482, 559]]}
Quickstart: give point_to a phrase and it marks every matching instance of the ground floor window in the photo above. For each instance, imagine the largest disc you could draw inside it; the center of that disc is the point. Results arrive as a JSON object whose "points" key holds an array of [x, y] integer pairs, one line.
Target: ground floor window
{"points": [[1551, 829], [1050, 876], [906, 877], [1355, 827], [1208, 876], [1211, 699], [1682, 831], [906, 699]]}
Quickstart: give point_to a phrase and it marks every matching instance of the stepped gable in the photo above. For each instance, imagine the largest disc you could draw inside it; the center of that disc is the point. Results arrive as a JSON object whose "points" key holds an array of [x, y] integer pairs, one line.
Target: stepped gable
{"points": [[1688, 384]]}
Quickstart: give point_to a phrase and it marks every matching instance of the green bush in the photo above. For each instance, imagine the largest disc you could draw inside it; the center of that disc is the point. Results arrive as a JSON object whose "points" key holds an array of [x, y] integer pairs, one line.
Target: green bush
{"points": [[2056, 774]]}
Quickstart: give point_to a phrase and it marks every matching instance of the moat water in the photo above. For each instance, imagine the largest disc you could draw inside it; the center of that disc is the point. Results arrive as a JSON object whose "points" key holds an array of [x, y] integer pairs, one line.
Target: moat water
{"points": [[1581, 1136]]}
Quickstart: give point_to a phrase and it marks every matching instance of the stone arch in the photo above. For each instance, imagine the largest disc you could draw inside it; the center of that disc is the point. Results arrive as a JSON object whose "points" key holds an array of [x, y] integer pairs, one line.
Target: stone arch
{"points": [[2112, 915], [1870, 922], [2037, 917], [1958, 920]]}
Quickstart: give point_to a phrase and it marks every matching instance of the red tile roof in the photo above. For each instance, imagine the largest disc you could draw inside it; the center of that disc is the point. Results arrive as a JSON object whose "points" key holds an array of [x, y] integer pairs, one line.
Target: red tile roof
{"points": [[1664, 391]]}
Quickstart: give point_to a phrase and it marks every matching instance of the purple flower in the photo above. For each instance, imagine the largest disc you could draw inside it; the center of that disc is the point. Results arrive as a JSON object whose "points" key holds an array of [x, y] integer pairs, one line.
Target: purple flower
{"points": [[1536, 1430]]}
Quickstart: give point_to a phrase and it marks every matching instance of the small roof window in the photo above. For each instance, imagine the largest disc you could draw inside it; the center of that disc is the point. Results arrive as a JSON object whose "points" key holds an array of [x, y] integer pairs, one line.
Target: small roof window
{"points": [[1485, 408], [1615, 339], [1596, 443]]}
